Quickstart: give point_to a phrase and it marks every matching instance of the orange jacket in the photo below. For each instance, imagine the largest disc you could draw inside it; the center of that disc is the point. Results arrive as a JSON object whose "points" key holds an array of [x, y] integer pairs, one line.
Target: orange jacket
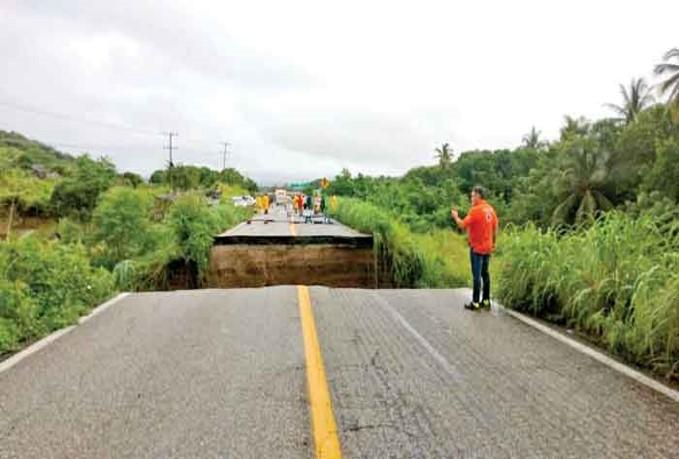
{"points": [[481, 223]]}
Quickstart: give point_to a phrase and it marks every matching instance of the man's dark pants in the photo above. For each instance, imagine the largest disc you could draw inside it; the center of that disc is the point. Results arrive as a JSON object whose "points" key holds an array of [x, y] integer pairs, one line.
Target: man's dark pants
{"points": [[480, 275]]}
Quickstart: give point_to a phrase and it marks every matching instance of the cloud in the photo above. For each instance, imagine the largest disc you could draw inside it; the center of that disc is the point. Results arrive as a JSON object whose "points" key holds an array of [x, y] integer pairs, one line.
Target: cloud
{"points": [[169, 37], [302, 89]]}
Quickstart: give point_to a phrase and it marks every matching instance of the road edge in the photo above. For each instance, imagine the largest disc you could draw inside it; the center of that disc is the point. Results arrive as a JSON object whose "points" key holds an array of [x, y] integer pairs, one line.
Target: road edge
{"points": [[599, 356], [42, 343]]}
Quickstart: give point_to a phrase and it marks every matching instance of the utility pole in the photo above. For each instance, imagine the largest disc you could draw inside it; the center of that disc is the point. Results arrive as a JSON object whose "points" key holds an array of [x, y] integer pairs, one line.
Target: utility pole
{"points": [[225, 153], [170, 164]]}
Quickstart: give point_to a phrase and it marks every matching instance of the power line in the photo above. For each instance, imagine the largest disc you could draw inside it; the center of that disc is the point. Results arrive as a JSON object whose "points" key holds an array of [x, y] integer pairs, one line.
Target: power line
{"points": [[67, 117], [84, 147], [225, 154], [169, 145], [195, 144], [92, 148], [170, 148]]}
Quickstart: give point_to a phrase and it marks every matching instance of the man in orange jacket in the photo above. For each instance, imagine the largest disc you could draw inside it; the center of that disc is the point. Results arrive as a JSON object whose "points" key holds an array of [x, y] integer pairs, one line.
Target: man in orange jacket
{"points": [[481, 225]]}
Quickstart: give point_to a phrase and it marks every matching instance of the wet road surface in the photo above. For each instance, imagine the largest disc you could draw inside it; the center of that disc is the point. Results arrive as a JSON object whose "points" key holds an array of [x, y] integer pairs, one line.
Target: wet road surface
{"points": [[410, 373], [277, 223]]}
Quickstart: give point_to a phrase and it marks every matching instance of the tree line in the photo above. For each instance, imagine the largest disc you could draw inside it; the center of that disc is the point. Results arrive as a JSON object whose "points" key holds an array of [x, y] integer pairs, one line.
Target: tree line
{"points": [[623, 162]]}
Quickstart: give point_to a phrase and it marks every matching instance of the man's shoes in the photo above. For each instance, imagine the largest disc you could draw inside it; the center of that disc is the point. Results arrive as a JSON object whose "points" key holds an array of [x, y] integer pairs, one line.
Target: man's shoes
{"points": [[485, 304], [472, 306]]}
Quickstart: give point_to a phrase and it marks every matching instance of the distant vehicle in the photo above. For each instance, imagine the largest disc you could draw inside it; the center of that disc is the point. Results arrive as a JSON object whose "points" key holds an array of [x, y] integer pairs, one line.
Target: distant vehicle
{"points": [[243, 201], [281, 197]]}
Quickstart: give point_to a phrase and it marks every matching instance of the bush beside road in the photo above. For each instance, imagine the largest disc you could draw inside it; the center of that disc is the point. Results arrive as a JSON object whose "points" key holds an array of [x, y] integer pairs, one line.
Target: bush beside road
{"points": [[616, 282], [76, 231], [409, 259]]}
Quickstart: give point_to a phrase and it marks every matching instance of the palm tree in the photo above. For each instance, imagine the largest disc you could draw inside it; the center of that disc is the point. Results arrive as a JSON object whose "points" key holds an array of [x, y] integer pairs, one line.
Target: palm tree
{"points": [[445, 155], [582, 183], [635, 98], [574, 126], [532, 139], [671, 84]]}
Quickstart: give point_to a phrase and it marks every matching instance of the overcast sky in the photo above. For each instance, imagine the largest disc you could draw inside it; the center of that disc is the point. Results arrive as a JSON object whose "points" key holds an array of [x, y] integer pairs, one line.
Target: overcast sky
{"points": [[302, 89]]}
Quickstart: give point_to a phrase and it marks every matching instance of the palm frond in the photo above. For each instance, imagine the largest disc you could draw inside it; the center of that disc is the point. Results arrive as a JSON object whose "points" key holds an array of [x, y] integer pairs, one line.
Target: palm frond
{"points": [[636, 97], [647, 99], [665, 67], [560, 213], [671, 84], [587, 208], [623, 91], [671, 81], [674, 52], [617, 108], [603, 202]]}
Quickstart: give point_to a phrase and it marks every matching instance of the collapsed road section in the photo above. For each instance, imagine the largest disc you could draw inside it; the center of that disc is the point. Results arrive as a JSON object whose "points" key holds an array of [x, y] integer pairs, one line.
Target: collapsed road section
{"points": [[275, 249]]}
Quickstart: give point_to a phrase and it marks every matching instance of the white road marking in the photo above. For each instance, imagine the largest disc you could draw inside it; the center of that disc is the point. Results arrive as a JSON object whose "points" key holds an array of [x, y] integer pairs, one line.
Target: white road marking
{"points": [[35, 347], [596, 355], [447, 366]]}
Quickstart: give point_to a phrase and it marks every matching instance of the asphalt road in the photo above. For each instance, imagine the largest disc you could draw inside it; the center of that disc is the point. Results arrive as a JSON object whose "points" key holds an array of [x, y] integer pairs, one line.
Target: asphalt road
{"points": [[222, 373], [278, 224]]}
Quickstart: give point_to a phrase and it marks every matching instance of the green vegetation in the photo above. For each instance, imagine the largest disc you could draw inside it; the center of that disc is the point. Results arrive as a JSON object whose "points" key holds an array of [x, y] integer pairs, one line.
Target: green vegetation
{"points": [[405, 259], [20, 152], [45, 285], [194, 224], [670, 69], [423, 197], [114, 232], [22, 193], [594, 167], [635, 98], [77, 194], [192, 177], [180, 241], [121, 225], [616, 281], [589, 237]]}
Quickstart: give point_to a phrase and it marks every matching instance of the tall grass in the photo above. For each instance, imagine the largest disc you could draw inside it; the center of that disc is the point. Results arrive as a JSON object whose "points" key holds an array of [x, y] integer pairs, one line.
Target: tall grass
{"points": [[616, 281], [447, 253], [407, 259]]}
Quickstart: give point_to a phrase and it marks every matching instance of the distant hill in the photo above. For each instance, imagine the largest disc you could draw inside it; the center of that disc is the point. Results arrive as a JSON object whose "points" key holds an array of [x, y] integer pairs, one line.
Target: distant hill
{"points": [[44, 162], [18, 151]]}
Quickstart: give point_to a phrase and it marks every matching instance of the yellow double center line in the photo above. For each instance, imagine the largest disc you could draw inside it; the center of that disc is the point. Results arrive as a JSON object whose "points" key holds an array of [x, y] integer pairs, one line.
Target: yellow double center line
{"points": [[326, 442]]}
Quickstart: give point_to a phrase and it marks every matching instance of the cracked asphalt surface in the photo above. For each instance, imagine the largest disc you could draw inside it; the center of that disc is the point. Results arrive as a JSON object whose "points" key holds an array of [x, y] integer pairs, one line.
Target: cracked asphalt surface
{"points": [[221, 373]]}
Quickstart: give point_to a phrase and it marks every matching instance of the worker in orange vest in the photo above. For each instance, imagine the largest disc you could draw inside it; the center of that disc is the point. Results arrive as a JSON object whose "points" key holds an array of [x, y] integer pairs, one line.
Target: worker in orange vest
{"points": [[481, 224]]}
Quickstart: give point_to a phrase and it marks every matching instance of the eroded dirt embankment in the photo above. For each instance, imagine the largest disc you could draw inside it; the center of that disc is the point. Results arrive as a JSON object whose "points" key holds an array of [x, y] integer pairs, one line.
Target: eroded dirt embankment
{"points": [[333, 265]]}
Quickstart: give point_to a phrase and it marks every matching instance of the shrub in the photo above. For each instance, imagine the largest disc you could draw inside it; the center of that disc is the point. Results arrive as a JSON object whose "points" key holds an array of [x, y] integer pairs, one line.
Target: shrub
{"points": [[122, 223], [76, 196], [150, 270], [9, 335], [17, 315], [194, 224], [45, 285], [70, 232], [21, 193], [615, 281]]}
